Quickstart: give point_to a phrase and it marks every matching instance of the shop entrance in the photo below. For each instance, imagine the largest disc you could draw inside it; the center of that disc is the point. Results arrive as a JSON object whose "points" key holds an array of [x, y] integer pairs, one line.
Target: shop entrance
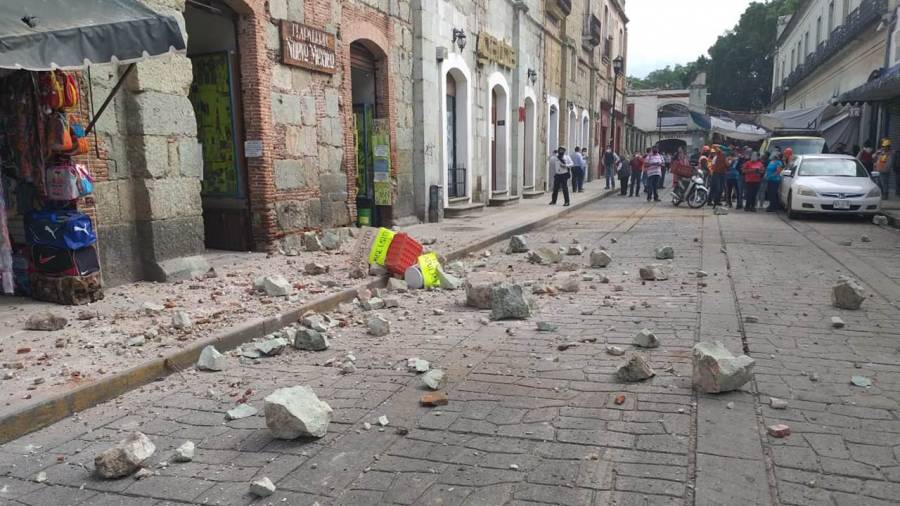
{"points": [[371, 133], [216, 96]]}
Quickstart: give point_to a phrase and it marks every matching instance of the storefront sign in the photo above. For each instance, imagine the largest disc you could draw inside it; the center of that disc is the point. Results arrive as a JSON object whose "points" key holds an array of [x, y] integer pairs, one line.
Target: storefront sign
{"points": [[307, 47], [491, 49]]}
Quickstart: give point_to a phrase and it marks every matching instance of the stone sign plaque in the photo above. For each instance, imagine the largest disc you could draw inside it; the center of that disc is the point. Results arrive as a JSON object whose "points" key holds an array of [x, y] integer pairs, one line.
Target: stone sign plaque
{"points": [[307, 47], [492, 49]]}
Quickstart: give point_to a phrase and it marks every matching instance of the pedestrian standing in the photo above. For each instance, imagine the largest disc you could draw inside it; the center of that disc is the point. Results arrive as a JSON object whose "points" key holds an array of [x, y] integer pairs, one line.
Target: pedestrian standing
{"points": [[609, 167], [866, 157], [718, 168], [577, 170], [665, 170], [773, 181], [561, 167], [637, 172], [753, 173], [624, 175], [653, 166], [585, 163], [733, 182], [644, 173], [884, 160], [761, 192]]}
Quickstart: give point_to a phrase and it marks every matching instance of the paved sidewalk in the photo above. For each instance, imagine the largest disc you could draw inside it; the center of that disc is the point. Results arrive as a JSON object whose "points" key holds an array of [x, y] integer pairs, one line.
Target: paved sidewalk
{"points": [[110, 336], [531, 422]]}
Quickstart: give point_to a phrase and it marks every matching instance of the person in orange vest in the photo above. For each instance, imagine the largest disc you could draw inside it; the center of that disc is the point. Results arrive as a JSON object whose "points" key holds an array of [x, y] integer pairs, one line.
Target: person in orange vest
{"points": [[884, 161], [719, 167]]}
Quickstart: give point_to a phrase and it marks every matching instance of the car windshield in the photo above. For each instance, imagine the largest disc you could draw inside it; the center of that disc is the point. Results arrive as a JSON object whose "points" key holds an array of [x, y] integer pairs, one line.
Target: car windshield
{"points": [[800, 146], [836, 167]]}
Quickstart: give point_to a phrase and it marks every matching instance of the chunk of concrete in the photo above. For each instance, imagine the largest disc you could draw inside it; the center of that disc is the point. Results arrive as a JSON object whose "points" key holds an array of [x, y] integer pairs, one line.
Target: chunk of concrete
{"points": [[600, 258], [665, 253], [479, 286], [46, 321], [509, 302], [179, 269], [331, 240], [448, 281], [262, 487], [372, 304], [311, 242], [880, 220], [716, 370], [185, 452], [397, 285], [309, 339], [646, 339], [544, 256], [517, 244], [433, 379], [211, 360], [837, 322], [125, 457], [847, 294], [378, 326], [417, 365], [181, 320], [271, 347], [315, 269], [277, 286], [635, 368], [569, 283], [296, 412], [654, 272], [241, 411], [574, 251]]}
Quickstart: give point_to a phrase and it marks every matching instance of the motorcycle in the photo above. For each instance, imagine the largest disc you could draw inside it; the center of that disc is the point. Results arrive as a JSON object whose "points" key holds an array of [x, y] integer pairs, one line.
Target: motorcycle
{"points": [[696, 193]]}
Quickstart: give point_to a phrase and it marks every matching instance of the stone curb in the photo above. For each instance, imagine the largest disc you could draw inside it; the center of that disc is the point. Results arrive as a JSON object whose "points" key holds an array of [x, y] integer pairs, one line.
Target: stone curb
{"points": [[43, 413]]}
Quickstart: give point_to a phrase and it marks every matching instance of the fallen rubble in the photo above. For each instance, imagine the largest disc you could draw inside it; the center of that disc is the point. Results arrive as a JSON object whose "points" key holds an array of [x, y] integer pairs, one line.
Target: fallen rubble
{"points": [[295, 412], [716, 370], [125, 457]]}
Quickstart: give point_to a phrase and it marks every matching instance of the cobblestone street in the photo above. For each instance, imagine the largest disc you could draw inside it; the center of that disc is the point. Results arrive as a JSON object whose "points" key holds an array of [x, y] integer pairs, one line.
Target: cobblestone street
{"points": [[538, 417]]}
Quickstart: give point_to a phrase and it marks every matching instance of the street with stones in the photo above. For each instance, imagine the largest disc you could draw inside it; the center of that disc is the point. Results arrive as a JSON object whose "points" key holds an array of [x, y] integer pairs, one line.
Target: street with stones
{"points": [[535, 412]]}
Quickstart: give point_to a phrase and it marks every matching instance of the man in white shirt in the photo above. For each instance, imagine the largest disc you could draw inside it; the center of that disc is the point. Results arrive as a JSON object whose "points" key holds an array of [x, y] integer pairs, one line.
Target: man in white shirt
{"points": [[577, 171], [560, 166]]}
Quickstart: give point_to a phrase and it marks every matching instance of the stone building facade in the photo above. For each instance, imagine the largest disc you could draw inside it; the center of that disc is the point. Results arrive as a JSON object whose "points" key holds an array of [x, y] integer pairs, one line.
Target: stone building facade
{"points": [[286, 116]]}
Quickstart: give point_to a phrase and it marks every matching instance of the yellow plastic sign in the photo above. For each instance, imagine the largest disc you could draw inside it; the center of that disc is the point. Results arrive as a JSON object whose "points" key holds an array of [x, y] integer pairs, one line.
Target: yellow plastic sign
{"points": [[380, 246], [429, 265]]}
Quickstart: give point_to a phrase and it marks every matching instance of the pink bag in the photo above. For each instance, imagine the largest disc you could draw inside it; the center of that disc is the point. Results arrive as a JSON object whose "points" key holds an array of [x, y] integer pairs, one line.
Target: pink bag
{"points": [[61, 182]]}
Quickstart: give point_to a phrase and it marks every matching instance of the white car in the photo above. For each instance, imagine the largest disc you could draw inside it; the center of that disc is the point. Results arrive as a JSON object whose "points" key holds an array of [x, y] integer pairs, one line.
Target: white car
{"points": [[835, 184]]}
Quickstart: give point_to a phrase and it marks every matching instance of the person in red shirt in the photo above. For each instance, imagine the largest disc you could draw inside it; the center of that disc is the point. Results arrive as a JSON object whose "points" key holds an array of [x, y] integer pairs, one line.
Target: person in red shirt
{"points": [[753, 171], [637, 169]]}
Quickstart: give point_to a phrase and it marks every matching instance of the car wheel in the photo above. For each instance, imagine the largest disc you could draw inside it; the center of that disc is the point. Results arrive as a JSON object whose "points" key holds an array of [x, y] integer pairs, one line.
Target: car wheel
{"points": [[793, 215]]}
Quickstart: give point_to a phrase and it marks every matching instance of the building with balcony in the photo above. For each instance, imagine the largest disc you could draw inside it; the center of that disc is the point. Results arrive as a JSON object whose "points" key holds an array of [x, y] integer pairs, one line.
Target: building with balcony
{"points": [[826, 49]]}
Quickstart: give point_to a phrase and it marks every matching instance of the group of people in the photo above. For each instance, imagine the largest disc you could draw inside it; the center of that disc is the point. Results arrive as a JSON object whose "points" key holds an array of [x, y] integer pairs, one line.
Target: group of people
{"points": [[737, 175]]}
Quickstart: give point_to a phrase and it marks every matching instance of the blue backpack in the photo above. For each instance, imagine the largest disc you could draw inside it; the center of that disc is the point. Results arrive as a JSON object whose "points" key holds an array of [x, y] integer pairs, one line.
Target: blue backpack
{"points": [[69, 230]]}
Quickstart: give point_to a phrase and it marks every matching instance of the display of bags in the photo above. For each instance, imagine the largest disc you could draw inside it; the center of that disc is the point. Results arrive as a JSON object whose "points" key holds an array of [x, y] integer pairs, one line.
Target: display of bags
{"points": [[61, 182], [59, 133], [69, 290], [85, 181], [59, 229], [64, 262]]}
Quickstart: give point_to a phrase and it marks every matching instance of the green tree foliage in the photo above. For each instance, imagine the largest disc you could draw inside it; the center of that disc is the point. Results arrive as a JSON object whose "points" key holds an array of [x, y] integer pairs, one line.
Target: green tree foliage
{"points": [[739, 67]]}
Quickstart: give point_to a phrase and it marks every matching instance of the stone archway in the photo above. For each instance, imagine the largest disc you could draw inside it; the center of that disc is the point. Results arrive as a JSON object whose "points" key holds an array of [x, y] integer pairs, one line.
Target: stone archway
{"points": [[456, 129], [497, 134]]}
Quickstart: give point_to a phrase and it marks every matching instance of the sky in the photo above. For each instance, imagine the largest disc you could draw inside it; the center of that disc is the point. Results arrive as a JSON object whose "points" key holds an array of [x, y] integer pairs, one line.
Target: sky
{"points": [[666, 32]]}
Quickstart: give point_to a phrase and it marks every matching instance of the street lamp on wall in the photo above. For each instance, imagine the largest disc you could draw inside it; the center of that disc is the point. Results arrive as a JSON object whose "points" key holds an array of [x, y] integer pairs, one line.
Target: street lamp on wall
{"points": [[459, 38], [532, 76]]}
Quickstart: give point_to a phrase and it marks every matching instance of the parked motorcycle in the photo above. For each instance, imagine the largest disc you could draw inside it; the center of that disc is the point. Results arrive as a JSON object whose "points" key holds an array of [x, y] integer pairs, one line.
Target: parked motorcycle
{"points": [[696, 194]]}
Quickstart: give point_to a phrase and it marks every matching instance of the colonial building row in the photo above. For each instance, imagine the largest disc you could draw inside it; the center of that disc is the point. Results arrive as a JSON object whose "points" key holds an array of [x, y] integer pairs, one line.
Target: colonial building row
{"points": [[284, 116]]}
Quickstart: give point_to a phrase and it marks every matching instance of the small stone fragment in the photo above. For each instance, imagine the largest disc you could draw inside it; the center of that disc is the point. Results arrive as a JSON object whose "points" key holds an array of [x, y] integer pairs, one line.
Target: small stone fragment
{"points": [[262, 487], [241, 411], [182, 320], [331, 240], [448, 281], [315, 269], [646, 339], [185, 452], [665, 253], [702, 274], [654, 272], [277, 286], [865, 238], [271, 347], [543, 326], [544, 256], [847, 294], [619, 400], [152, 309], [434, 399], [125, 457], [600, 258], [143, 473], [861, 381], [417, 365], [309, 339], [46, 321], [383, 421], [568, 283], [378, 326], [479, 286], [615, 351], [40, 477], [397, 285], [634, 369], [566, 346], [717, 370], [880, 220], [751, 319], [720, 211], [776, 403], [433, 379], [372, 304], [517, 244], [211, 360], [311, 242], [575, 251], [778, 430], [296, 411]]}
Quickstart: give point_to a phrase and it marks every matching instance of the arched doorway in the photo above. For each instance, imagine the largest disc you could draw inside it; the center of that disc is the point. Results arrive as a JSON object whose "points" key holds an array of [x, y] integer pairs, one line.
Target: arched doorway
{"points": [[585, 131], [498, 128], [456, 140], [217, 99], [371, 133], [573, 131], [528, 161], [552, 138]]}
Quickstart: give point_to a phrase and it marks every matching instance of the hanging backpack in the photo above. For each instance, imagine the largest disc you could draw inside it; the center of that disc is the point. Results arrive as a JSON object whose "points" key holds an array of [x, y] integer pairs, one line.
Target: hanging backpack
{"points": [[53, 91], [59, 135], [85, 180], [61, 182], [70, 90]]}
